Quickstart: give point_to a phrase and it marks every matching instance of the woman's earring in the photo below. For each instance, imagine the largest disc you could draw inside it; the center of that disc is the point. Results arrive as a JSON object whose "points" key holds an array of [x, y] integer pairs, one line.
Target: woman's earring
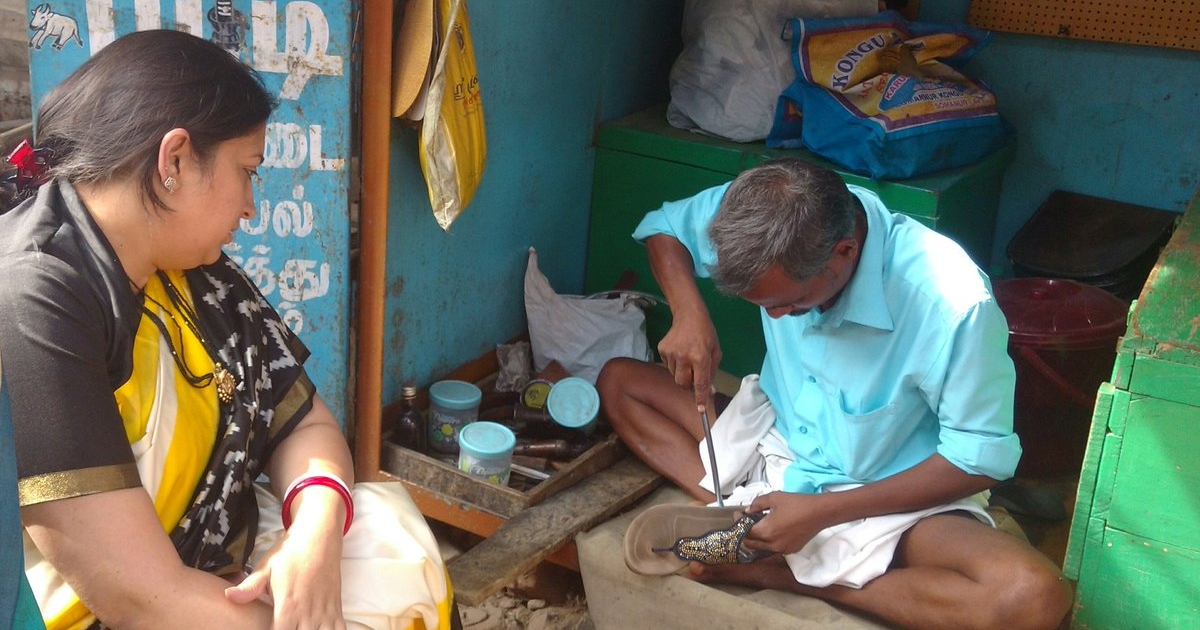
{"points": [[170, 183]]}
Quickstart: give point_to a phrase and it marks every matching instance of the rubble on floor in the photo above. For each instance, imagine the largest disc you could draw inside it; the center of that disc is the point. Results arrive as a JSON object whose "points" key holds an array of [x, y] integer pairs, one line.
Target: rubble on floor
{"points": [[507, 611], [549, 597]]}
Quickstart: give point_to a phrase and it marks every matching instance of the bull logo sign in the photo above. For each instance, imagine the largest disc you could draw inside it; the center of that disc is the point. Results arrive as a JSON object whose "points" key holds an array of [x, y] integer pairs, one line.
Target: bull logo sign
{"points": [[46, 24]]}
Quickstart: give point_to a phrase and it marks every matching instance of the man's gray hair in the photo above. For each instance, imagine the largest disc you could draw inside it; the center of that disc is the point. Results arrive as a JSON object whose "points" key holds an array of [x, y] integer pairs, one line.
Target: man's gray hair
{"points": [[785, 212]]}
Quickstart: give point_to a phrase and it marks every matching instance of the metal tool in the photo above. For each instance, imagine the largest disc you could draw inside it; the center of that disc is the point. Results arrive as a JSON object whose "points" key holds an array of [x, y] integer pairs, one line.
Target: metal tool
{"points": [[536, 475], [712, 454]]}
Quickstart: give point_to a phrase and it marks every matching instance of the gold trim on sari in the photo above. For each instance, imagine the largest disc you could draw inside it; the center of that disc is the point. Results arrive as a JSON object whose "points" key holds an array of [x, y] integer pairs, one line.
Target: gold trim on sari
{"points": [[77, 483]]}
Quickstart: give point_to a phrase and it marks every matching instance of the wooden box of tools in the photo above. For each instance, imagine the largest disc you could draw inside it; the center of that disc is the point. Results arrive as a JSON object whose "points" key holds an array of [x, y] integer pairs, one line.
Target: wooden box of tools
{"points": [[439, 474]]}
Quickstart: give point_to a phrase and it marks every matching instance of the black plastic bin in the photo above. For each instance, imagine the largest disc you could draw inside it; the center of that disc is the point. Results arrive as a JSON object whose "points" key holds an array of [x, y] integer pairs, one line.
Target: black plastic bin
{"points": [[1107, 244]]}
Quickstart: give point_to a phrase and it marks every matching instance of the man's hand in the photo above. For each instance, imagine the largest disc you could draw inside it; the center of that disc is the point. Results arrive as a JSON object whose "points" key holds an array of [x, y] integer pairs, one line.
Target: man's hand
{"points": [[689, 349], [691, 353], [792, 521], [795, 518]]}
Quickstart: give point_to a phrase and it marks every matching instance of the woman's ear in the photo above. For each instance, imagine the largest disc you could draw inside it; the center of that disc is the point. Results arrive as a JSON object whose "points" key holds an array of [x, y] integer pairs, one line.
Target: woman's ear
{"points": [[173, 150]]}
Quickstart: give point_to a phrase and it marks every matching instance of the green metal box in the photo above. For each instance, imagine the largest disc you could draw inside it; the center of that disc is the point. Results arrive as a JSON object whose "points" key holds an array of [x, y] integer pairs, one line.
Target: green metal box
{"points": [[1135, 537], [641, 162]]}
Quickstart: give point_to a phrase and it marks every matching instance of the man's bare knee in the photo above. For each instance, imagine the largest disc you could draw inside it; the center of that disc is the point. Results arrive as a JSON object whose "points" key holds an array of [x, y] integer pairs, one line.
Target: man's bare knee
{"points": [[1032, 595], [614, 375]]}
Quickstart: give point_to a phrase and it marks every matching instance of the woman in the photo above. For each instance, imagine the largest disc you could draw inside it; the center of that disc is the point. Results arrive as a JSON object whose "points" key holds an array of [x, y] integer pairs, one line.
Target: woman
{"points": [[151, 384], [18, 610]]}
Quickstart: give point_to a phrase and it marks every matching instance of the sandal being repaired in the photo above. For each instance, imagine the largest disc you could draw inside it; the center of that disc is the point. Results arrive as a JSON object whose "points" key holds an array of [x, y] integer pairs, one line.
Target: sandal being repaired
{"points": [[720, 546], [664, 538]]}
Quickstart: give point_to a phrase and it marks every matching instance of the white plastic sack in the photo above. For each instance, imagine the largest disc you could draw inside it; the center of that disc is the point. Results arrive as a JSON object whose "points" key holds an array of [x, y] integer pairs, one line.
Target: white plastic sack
{"points": [[581, 333], [734, 62]]}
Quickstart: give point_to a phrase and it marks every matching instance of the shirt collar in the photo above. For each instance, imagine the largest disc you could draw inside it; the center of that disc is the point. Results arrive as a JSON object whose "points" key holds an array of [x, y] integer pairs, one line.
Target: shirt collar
{"points": [[863, 301]]}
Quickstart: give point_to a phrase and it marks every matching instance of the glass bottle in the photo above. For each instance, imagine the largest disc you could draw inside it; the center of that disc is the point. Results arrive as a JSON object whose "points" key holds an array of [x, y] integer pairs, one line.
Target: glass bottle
{"points": [[410, 427]]}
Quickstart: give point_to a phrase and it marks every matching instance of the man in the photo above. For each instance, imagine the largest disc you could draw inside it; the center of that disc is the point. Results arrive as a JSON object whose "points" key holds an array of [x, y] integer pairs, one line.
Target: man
{"points": [[882, 414]]}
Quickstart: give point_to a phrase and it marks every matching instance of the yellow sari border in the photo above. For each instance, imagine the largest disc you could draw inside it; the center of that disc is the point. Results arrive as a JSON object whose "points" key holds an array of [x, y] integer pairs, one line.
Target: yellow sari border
{"points": [[77, 483]]}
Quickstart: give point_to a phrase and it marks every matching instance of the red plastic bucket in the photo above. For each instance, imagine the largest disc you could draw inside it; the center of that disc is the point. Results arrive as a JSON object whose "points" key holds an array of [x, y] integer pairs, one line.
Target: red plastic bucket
{"points": [[1062, 339]]}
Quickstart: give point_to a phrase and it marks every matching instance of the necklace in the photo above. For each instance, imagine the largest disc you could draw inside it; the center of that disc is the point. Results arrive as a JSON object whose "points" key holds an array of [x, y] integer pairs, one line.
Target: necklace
{"points": [[225, 381]]}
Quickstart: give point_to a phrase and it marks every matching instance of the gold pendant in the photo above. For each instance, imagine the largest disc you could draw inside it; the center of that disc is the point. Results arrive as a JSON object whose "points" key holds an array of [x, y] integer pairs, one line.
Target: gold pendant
{"points": [[225, 383]]}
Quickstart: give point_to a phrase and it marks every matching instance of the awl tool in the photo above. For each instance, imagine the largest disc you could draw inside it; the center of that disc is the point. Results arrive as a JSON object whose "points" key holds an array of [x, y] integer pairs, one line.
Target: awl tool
{"points": [[712, 454]]}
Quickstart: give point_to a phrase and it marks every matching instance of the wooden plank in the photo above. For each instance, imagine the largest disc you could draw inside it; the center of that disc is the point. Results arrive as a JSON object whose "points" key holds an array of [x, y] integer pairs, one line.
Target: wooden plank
{"points": [[529, 537], [594, 460], [1085, 491], [1154, 494], [1166, 379], [454, 512], [1171, 24], [436, 475], [1137, 582], [1168, 310]]}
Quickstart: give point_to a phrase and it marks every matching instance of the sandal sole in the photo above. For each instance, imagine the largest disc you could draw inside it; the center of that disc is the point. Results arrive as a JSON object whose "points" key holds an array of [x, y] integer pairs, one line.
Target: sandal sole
{"points": [[661, 525]]}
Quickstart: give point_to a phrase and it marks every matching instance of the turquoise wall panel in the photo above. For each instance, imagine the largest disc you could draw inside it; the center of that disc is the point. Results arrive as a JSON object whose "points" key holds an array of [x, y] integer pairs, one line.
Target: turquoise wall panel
{"points": [[549, 71], [1108, 120]]}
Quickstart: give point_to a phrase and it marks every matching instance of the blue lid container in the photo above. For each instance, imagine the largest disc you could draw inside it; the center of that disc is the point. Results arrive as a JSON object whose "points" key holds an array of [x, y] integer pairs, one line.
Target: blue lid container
{"points": [[485, 450], [574, 403], [455, 395], [487, 440], [452, 404]]}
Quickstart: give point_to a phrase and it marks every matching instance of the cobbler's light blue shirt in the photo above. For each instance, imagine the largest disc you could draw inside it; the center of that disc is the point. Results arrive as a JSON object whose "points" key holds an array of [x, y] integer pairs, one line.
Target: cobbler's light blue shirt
{"points": [[910, 361]]}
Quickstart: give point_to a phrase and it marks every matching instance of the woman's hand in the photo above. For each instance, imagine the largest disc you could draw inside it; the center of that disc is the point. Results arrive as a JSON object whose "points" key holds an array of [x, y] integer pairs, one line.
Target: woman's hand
{"points": [[300, 578]]}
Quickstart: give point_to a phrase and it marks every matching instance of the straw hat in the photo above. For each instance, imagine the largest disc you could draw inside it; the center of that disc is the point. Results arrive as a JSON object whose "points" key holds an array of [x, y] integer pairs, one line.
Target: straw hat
{"points": [[413, 52]]}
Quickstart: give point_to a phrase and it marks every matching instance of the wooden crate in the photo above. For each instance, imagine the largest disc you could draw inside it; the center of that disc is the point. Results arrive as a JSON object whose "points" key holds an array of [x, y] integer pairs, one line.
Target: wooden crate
{"points": [[454, 485], [519, 528], [1135, 537]]}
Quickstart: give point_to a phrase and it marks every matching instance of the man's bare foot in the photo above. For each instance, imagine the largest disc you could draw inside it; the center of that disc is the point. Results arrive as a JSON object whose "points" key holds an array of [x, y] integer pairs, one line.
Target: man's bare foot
{"points": [[772, 572]]}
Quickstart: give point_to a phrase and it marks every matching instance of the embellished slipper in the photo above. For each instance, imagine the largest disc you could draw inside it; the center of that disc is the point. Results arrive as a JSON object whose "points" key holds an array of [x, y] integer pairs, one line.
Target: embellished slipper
{"points": [[664, 538]]}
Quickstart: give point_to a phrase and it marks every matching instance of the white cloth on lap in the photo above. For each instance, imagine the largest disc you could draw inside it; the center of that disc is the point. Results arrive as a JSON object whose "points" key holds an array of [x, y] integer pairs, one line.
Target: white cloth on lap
{"points": [[391, 567], [756, 456]]}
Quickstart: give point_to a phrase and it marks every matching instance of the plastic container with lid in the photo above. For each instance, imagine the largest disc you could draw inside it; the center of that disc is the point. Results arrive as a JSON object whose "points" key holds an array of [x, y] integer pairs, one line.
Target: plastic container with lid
{"points": [[1062, 339], [486, 450], [452, 405], [574, 403]]}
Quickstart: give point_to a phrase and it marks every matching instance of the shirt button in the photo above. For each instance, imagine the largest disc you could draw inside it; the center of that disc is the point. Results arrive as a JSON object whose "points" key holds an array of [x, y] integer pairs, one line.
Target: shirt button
{"points": [[812, 379], [804, 429]]}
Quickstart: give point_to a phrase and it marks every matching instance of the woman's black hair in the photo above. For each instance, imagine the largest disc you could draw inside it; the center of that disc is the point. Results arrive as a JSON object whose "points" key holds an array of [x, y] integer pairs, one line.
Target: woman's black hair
{"points": [[106, 120]]}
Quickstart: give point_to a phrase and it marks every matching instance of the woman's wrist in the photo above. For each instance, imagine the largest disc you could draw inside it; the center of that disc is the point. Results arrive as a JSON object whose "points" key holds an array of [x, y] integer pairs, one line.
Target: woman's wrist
{"points": [[327, 480]]}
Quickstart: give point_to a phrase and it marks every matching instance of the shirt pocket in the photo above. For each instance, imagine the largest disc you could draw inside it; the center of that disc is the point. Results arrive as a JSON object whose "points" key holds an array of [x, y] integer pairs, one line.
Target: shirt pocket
{"points": [[868, 441]]}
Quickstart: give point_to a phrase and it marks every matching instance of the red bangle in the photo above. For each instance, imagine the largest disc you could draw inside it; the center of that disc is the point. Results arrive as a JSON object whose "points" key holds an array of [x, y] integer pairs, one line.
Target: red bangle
{"points": [[329, 481]]}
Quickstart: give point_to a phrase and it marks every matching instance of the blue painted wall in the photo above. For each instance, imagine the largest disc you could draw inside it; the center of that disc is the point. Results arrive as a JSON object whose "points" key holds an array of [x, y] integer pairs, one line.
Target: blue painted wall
{"points": [[1108, 120], [549, 72]]}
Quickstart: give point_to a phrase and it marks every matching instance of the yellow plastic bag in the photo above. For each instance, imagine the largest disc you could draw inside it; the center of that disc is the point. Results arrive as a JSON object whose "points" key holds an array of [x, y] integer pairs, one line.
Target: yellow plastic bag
{"points": [[453, 144]]}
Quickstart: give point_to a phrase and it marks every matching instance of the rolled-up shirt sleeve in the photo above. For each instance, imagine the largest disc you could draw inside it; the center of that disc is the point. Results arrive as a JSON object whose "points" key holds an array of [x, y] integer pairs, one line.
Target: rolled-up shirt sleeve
{"points": [[973, 383], [687, 220]]}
